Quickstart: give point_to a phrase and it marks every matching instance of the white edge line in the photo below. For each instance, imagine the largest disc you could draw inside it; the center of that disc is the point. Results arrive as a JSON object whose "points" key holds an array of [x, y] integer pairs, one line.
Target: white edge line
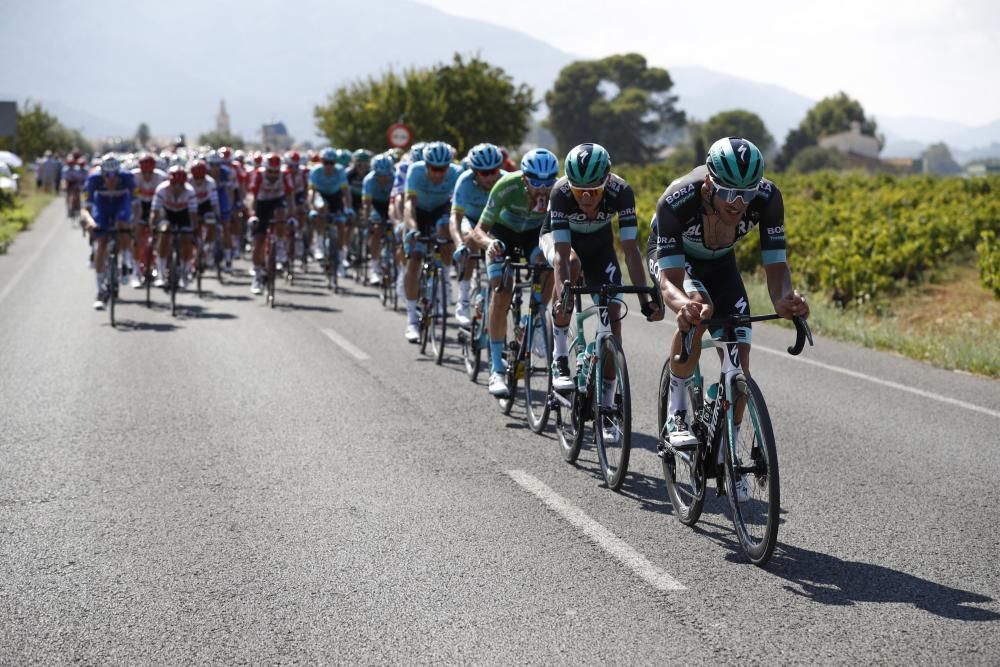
{"points": [[887, 383], [613, 545], [31, 260], [345, 344]]}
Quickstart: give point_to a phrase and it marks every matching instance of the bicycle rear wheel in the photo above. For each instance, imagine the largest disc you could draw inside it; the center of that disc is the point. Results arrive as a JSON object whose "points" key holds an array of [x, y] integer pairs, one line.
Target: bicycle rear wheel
{"points": [[613, 418], [174, 278], [683, 471], [472, 352], [439, 321], [426, 308], [112, 283], [753, 461], [538, 370], [571, 424]]}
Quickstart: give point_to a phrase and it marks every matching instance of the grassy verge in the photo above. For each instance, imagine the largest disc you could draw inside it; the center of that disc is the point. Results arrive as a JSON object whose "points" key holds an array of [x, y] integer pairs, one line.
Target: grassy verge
{"points": [[952, 323], [27, 205]]}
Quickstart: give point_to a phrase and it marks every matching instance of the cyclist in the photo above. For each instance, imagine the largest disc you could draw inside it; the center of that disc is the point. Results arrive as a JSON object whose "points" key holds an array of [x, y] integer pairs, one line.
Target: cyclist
{"points": [[397, 201], [272, 192], [699, 219], [376, 190], [228, 188], [109, 209], [147, 179], [206, 192], [330, 195], [175, 203], [471, 194], [74, 176], [299, 174], [514, 214], [578, 236], [429, 187]]}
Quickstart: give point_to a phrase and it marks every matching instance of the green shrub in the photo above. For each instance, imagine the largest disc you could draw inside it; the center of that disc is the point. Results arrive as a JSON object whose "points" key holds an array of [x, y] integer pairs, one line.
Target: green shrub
{"points": [[988, 250]]}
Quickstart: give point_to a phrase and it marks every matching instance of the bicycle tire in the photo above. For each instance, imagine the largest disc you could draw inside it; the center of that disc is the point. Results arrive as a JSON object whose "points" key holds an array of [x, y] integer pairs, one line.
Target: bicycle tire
{"points": [[272, 269], [686, 497], [440, 321], [538, 372], [111, 276], [571, 429], [173, 277], [513, 353], [200, 268], [148, 270], [764, 472], [424, 308], [613, 456], [472, 351]]}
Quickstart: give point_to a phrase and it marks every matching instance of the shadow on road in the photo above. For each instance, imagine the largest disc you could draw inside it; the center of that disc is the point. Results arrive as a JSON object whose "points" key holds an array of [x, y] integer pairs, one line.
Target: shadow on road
{"points": [[826, 579], [132, 325]]}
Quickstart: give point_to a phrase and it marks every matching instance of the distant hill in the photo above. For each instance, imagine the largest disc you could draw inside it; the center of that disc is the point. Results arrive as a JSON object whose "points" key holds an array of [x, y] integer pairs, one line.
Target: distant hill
{"points": [[169, 69]]}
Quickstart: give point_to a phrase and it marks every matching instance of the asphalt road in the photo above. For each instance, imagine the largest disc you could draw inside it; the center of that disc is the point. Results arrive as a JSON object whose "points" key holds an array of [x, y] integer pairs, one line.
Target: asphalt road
{"points": [[239, 484]]}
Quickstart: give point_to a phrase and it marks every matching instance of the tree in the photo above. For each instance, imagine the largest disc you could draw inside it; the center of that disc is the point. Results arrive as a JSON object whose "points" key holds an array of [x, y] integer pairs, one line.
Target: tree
{"points": [[617, 102], [938, 160], [218, 139], [463, 102], [737, 123], [142, 134], [38, 131], [830, 116], [815, 158]]}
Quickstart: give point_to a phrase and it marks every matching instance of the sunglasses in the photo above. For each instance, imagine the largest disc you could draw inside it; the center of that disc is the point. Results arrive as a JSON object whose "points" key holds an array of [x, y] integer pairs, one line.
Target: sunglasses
{"points": [[488, 172], [730, 195], [329, 163], [593, 192], [437, 170], [540, 183]]}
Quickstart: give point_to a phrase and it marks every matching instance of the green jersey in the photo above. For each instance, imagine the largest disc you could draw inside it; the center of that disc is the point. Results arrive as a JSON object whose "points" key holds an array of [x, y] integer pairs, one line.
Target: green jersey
{"points": [[509, 206]]}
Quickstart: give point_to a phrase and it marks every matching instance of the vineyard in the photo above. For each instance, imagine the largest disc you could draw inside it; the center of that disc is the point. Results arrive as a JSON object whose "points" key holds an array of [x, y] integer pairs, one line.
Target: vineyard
{"points": [[854, 237]]}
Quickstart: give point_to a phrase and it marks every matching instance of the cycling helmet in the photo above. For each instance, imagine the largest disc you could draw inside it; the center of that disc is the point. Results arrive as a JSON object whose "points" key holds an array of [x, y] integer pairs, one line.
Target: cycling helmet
{"points": [[110, 166], [362, 155], [417, 151], [540, 163], [383, 165], [199, 169], [213, 159], [344, 157], [588, 166], [272, 161], [226, 152], [485, 157], [735, 163], [178, 175], [239, 155], [147, 163], [258, 158], [437, 154], [293, 158], [328, 155]]}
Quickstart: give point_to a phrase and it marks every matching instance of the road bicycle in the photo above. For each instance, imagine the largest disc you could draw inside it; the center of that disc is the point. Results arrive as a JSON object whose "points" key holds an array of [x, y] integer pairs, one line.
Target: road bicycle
{"points": [[473, 337], [740, 453], [389, 269], [607, 402], [432, 299]]}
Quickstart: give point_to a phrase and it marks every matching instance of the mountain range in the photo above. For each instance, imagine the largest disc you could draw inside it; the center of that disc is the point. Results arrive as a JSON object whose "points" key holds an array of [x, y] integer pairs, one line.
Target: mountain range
{"points": [[170, 67]]}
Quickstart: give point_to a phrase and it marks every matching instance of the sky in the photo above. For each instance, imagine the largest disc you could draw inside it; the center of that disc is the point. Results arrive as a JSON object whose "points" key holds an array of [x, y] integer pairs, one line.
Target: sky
{"points": [[930, 58]]}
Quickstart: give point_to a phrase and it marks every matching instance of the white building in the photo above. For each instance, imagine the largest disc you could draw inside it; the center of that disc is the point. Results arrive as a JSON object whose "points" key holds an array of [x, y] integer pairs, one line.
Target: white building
{"points": [[852, 141]]}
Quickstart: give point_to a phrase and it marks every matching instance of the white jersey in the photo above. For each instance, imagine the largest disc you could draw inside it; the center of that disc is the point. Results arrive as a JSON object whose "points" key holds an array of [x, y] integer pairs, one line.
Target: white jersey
{"points": [[146, 184], [167, 198], [205, 190]]}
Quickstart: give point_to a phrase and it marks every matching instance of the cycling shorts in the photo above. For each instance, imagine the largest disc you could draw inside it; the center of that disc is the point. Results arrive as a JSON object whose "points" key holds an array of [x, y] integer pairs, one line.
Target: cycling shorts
{"points": [[264, 210], [598, 258]]}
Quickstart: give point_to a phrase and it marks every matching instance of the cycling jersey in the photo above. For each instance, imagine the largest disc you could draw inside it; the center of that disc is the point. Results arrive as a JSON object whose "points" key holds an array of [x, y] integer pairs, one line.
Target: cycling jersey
{"points": [[399, 182], [469, 199], [678, 228], [146, 184], [430, 196], [328, 184], [166, 198], [107, 205], [508, 206], [74, 177], [225, 184], [355, 180], [566, 220], [300, 177], [378, 194], [206, 192], [264, 188]]}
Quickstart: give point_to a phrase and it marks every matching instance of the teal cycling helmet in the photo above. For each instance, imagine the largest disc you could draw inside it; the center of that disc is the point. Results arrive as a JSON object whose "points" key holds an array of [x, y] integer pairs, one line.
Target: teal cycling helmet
{"points": [[417, 151], [383, 165], [540, 164], [588, 166], [438, 154], [362, 155], [735, 163], [485, 157], [344, 157], [328, 155]]}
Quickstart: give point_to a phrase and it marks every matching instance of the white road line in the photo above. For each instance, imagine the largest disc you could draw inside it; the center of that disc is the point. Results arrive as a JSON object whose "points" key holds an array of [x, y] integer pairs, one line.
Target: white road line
{"points": [[31, 260], [876, 380], [613, 545], [347, 345]]}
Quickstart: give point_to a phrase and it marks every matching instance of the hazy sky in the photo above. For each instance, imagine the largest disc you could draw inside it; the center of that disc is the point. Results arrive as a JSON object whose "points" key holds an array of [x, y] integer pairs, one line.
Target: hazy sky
{"points": [[935, 58]]}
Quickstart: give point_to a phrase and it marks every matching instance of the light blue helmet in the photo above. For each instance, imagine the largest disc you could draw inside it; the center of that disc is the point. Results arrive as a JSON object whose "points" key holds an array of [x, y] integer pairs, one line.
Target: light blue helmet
{"points": [[438, 154], [540, 163], [417, 151], [485, 157], [344, 157], [328, 155], [383, 165]]}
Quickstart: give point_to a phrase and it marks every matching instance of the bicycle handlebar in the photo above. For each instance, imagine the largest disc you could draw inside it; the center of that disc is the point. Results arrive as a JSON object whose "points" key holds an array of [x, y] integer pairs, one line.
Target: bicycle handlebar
{"points": [[802, 332]]}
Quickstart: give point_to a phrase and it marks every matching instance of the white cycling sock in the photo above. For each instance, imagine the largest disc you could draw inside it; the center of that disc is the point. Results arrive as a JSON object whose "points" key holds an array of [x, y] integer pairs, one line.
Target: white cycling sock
{"points": [[678, 392], [411, 311], [161, 267], [100, 281], [463, 291], [129, 260], [560, 340]]}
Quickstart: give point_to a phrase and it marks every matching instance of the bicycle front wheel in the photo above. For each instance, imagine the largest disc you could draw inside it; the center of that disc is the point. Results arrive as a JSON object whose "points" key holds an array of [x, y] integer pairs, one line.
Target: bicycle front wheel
{"points": [[682, 470], [112, 288], [439, 321], [538, 370], [570, 424], [752, 483], [612, 411]]}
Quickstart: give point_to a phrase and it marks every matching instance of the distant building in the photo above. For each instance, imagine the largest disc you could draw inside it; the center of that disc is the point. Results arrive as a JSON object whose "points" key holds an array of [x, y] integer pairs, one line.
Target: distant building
{"points": [[852, 142], [275, 136], [222, 120], [982, 169]]}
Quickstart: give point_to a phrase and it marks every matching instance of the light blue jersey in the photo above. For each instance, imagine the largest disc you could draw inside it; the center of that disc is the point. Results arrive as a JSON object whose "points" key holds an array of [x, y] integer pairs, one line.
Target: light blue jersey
{"points": [[470, 199], [430, 196], [328, 184], [371, 187]]}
